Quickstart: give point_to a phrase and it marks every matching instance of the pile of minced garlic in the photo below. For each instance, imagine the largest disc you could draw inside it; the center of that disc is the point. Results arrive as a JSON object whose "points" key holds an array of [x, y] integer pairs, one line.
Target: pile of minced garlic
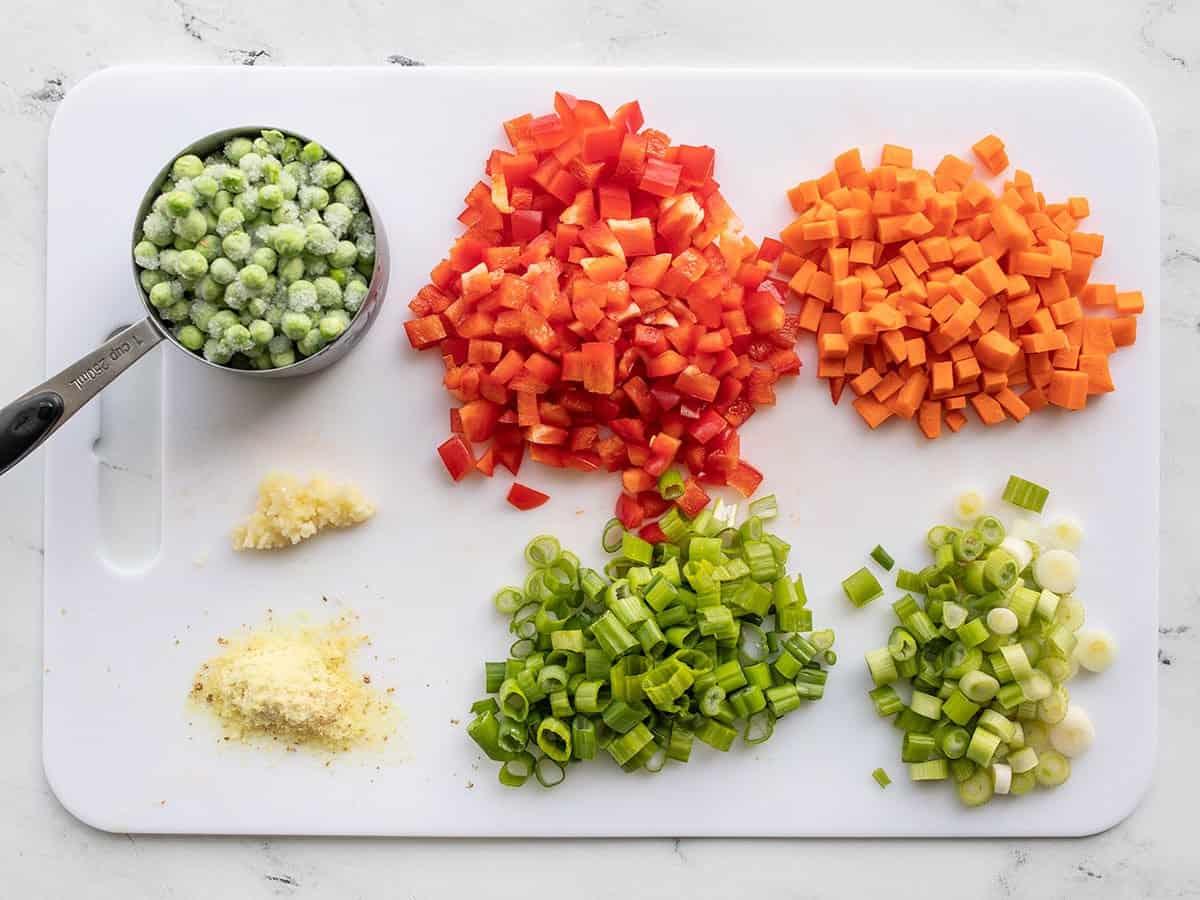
{"points": [[294, 683], [290, 511]]}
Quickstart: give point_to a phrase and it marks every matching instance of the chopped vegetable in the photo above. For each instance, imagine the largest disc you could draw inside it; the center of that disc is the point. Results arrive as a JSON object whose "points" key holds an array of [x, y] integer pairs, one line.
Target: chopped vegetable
{"points": [[988, 653], [525, 498], [691, 637], [602, 309], [882, 557], [862, 587], [928, 292], [881, 778], [1025, 494]]}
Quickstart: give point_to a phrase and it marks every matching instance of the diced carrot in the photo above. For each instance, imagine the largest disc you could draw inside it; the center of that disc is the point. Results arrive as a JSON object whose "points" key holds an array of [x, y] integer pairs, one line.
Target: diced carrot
{"points": [[1124, 330], [1034, 399], [890, 383], [1012, 404], [1097, 335], [1130, 303], [866, 382], [834, 346], [1066, 311], [929, 419], [1098, 295], [1095, 366], [996, 351], [1068, 389], [958, 402], [955, 420], [989, 411], [909, 397], [872, 411]]}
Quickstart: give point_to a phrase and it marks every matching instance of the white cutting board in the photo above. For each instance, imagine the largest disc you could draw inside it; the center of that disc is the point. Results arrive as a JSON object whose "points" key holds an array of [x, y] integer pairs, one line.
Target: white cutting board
{"points": [[122, 750]]}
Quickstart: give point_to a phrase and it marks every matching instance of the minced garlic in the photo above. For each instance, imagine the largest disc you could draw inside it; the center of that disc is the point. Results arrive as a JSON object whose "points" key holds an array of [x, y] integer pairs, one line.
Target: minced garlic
{"points": [[294, 684], [290, 511]]}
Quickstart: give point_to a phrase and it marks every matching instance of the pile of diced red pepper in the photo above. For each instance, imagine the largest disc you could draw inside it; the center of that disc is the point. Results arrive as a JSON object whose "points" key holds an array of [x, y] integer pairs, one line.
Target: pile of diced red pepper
{"points": [[604, 310]]}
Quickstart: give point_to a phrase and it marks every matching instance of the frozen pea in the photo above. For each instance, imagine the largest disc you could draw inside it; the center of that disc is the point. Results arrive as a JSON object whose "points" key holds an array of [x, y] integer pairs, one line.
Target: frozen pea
{"points": [[343, 255], [261, 331], [288, 240], [337, 218], [192, 227], [298, 171], [261, 361], [221, 202], [219, 321], [347, 193], [157, 229], [310, 217], [234, 181], [236, 295], [257, 306], [210, 220], [327, 174], [145, 254], [360, 224], [265, 257], [315, 265], [295, 325], [180, 203], [201, 313], [253, 277], [365, 267], [237, 148], [291, 269], [286, 358], [161, 295], [312, 152], [187, 166], [244, 318], [206, 186], [287, 213], [209, 290], [217, 352], [311, 342], [313, 197], [366, 246], [329, 292], [261, 233], [274, 316], [261, 146], [182, 244], [341, 315], [222, 271], [338, 275], [192, 264], [290, 149], [301, 296], [168, 261], [270, 196], [229, 221], [279, 343], [353, 295], [274, 139], [271, 170], [176, 312], [209, 247], [319, 240], [268, 289], [236, 245], [149, 278], [247, 202], [331, 327], [288, 185], [238, 338], [190, 336], [252, 165]]}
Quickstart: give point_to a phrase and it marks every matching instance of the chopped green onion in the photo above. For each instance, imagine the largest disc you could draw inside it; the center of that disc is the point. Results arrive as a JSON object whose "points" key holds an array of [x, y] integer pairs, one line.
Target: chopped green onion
{"points": [[930, 770], [909, 581], [862, 587], [881, 778], [671, 484], [516, 771], [1025, 494], [882, 557], [542, 551], [764, 508]]}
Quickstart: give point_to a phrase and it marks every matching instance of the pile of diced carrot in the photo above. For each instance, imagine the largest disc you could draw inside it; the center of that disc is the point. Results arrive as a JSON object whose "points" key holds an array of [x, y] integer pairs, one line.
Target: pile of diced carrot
{"points": [[928, 292]]}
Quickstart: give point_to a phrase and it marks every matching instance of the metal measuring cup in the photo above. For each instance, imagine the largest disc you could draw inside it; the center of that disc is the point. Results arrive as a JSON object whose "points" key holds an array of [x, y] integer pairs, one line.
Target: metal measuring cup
{"points": [[34, 416]]}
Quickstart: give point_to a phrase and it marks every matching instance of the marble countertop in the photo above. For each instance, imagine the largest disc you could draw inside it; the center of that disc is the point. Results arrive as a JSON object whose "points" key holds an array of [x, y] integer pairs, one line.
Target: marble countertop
{"points": [[1153, 47]]}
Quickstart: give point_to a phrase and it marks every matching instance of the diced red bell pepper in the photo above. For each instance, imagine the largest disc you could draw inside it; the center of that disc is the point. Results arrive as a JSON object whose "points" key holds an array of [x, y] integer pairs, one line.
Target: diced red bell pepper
{"points": [[637, 480], [745, 479], [652, 533], [524, 498], [599, 367], [425, 332], [456, 457], [663, 448], [479, 418], [653, 505], [693, 499], [629, 512], [694, 383]]}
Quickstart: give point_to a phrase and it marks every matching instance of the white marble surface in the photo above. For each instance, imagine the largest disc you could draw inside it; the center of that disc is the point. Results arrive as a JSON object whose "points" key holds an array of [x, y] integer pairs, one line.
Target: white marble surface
{"points": [[1153, 47]]}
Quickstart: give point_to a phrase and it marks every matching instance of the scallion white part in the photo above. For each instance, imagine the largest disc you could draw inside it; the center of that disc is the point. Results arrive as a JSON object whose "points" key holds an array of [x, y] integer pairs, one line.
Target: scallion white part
{"points": [[1066, 533], [1019, 550], [1096, 650], [968, 506], [1047, 604], [1057, 570], [1074, 734], [1001, 778], [953, 615], [1002, 620]]}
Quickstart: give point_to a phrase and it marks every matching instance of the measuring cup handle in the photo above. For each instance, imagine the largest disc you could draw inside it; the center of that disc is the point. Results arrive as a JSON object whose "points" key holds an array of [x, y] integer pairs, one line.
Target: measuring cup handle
{"points": [[31, 418]]}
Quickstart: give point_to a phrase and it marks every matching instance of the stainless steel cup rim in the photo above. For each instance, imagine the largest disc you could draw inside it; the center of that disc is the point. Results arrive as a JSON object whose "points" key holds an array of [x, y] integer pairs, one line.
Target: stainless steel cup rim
{"points": [[362, 320]]}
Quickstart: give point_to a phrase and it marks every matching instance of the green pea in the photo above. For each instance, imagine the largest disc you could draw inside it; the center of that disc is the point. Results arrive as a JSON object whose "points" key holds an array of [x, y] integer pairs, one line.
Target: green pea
{"points": [[343, 255], [347, 192], [339, 276], [288, 185], [312, 153], [270, 196], [209, 247], [287, 213], [230, 220], [315, 265], [271, 170], [191, 337], [265, 257], [182, 244], [286, 358], [217, 352], [279, 343], [301, 296], [145, 254], [201, 313], [313, 197], [221, 202], [327, 174], [261, 331], [192, 264], [274, 139], [329, 292], [161, 295], [237, 295], [149, 278], [233, 180], [297, 170], [361, 224], [247, 202], [157, 229], [291, 269], [219, 321], [331, 327], [288, 240], [337, 217], [254, 277], [168, 261], [291, 148], [206, 186], [257, 306], [319, 240], [237, 337], [236, 245], [222, 270], [237, 148], [274, 316], [353, 295], [209, 290], [366, 247], [188, 166], [295, 325], [311, 342], [180, 203], [176, 312], [261, 361], [192, 227]]}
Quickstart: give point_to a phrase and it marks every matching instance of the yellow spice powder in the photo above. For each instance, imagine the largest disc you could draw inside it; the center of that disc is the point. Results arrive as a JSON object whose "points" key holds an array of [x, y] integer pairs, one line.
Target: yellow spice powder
{"points": [[294, 683], [290, 511]]}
